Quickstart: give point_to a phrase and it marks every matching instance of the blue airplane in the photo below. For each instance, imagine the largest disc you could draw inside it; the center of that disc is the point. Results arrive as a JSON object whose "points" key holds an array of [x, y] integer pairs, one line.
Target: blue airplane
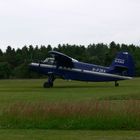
{"points": [[65, 67]]}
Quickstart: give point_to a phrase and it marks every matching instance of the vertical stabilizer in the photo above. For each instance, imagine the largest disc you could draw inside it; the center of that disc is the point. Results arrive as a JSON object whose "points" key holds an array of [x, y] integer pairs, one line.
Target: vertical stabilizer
{"points": [[123, 64]]}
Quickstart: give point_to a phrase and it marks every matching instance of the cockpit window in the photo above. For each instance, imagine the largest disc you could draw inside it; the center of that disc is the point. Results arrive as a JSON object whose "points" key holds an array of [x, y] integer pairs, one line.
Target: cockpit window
{"points": [[50, 61]]}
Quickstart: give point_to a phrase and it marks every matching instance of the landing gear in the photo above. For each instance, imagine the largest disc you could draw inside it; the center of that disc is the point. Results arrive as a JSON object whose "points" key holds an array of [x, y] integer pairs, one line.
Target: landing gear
{"points": [[116, 84], [49, 84]]}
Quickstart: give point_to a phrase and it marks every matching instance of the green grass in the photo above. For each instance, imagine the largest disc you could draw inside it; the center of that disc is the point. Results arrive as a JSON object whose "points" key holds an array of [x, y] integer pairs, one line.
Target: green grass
{"points": [[70, 105], [23, 134], [95, 115], [12, 91]]}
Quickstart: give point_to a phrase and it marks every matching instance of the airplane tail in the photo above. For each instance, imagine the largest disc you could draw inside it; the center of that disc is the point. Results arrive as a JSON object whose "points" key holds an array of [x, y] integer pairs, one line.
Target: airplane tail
{"points": [[123, 64]]}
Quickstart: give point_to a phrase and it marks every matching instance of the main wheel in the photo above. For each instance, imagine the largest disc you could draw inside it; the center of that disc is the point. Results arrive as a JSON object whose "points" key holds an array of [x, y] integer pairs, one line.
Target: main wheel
{"points": [[116, 84], [47, 85]]}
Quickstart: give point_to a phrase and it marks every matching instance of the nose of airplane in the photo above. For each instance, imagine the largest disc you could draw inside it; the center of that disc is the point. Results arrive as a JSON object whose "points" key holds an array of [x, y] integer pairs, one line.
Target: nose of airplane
{"points": [[33, 66]]}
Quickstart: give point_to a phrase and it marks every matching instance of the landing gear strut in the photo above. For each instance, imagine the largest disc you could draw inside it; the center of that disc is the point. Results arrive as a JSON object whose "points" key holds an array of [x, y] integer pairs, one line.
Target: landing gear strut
{"points": [[116, 84], [49, 84]]}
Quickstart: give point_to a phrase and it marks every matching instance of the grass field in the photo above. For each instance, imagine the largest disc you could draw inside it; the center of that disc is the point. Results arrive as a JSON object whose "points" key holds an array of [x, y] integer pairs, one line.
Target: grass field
{"points": [[69, 105], [12, 91], [25, 134]]}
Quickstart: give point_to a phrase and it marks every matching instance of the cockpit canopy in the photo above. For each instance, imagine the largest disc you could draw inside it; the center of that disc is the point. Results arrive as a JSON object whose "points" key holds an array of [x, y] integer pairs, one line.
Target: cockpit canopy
{"points": [[59, 59], [49, 61]]}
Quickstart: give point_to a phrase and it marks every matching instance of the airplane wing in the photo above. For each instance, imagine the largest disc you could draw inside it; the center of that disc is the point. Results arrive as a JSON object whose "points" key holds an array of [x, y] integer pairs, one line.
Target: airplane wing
{"points": [[62, 59]]}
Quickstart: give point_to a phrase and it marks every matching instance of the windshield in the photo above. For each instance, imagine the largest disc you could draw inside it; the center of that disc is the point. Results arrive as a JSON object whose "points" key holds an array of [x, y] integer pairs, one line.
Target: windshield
{"points": [[50, 61]]}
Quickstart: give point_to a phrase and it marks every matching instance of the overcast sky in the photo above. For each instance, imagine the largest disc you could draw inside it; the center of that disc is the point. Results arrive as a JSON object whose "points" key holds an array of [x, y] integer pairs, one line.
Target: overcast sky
{"points": [[68, 21]]}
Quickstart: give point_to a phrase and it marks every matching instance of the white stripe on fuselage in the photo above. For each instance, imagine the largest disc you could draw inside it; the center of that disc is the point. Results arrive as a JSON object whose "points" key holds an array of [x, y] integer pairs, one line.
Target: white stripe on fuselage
{"points": [[83, 71]]}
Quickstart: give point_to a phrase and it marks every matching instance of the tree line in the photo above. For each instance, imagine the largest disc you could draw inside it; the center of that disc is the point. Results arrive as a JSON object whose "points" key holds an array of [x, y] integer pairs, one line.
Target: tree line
{"points": [[14, 63]]}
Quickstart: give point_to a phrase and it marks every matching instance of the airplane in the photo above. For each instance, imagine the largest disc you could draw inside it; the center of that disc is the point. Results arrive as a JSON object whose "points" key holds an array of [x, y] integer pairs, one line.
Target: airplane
{"points": [[65, 67]]}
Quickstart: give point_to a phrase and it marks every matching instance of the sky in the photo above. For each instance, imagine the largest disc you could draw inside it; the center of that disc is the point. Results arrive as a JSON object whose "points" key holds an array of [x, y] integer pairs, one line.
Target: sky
{"points": [[43, 22]]}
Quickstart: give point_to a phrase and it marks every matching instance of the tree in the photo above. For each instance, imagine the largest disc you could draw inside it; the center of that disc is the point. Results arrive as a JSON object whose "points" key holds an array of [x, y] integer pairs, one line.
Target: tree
{"points": [[1, 55], [15, 62], [10, 57], [5, 70]]}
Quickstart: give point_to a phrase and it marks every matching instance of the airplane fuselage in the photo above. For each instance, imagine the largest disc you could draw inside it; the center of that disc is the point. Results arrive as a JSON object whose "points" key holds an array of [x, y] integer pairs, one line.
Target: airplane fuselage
{"points": [[80, 71]]}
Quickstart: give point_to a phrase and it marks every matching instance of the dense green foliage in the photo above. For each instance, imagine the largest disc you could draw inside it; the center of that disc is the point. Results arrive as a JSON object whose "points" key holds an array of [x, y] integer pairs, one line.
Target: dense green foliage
{"points": [[14, 63]]}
